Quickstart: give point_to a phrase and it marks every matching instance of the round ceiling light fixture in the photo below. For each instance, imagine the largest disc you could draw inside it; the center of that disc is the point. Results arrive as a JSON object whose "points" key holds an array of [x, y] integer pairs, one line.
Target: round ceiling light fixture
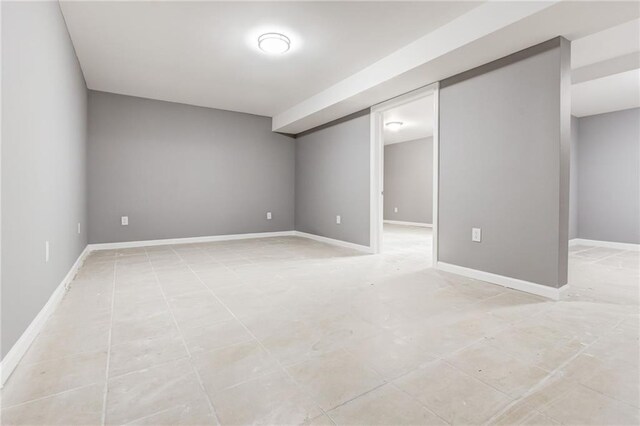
{"points": [[274, 43], [394, 125]]}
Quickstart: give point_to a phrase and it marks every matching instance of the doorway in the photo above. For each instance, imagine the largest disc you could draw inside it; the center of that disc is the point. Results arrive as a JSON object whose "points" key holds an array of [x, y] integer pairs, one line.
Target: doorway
{"points": [[404, 139]]}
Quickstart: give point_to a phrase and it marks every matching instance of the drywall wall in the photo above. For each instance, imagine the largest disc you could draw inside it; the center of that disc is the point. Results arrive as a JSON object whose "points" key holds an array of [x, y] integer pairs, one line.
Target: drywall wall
{"points": [[504, 166], [43, 160], [408, 181], [332, 178], [573, 180], [608, 166], [183, 171]]}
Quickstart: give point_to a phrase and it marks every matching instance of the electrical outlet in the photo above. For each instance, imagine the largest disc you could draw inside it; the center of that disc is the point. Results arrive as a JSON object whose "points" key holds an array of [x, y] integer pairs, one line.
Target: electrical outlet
{"points": [[78, 227], [124, 220], [476, 235], [338, 220], [46, 251], [269, 216], [395, 210]]}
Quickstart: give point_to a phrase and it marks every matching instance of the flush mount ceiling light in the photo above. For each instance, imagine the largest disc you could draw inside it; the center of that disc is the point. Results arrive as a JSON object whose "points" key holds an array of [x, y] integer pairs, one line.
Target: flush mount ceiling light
{"points": [[394, 125], [274, 43]]}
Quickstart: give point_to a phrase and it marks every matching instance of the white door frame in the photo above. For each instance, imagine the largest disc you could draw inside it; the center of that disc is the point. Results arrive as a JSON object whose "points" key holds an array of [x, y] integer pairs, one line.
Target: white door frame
{"points": [[377, 163]]}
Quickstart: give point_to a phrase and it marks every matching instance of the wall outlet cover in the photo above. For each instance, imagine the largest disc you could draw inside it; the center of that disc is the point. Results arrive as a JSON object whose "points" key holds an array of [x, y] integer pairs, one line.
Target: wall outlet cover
{"points": [[269, 215], [338, 220], [124, 220], [476, 235]]}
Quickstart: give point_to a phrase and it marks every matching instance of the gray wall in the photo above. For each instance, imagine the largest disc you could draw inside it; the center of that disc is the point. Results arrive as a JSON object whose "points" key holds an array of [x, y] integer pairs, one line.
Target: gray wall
{"points": [[573, 185], [504, 166], [408, 181], [43, 160], [608, 158], [184, 171], [332, 178]]}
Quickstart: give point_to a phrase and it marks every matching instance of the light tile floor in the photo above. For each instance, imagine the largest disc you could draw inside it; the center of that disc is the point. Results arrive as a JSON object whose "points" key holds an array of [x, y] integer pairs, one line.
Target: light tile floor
{"points": [[292, 331]]}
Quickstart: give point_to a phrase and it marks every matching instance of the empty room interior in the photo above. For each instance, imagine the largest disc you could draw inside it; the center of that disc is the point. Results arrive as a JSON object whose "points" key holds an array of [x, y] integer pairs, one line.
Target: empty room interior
{"points": [[407, 208], [320, 213]]}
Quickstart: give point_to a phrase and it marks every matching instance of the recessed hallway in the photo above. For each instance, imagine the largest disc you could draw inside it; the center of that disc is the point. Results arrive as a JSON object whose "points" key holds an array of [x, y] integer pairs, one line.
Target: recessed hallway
{"points": [[291, 331]]}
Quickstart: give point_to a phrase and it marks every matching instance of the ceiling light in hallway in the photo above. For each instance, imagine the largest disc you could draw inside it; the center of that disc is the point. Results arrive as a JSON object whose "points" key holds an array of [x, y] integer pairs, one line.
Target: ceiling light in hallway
{"points": [[394, 125], [274, 43]]}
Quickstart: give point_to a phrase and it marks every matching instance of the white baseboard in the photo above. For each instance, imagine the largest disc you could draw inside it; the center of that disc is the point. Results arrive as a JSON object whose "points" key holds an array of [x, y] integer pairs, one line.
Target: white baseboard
{"points": [[17, 351], [401, 222], [189, 240], [514, 283], [340, 243], [609, 244]]}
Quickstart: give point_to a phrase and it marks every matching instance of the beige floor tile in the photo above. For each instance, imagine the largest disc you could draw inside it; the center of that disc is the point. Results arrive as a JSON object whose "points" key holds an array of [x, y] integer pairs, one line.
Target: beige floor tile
{"points": [[52, 344], [544, 349], [81, 407], [37, 380], [139, 310], [175, 287], [182, 415], [322, 420], [616, 379], [155, 325], [296, 342], [270, 399], [440, 338], [580, 405], [306, 302], [498, 369], [385, 405], [453, 395], [522, 415], [226, 367], [90, 321], [197, 309], [215, 336], [144, 353], [147, 392], [514, 305], [388, 354], [334, 378]]}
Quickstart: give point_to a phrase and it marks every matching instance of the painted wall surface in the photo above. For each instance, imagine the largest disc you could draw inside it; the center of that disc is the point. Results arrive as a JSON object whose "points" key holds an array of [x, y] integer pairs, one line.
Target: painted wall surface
{"points": [[183, 171], [332, 178], [609, 177], [408, 181], [43, 160], [504, 166], [573, 185]]}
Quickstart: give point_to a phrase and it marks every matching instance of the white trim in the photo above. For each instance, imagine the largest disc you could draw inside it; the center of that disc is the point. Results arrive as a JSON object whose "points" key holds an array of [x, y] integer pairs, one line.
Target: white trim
{"points": [[514, 283], [609, 244], [376, 181], [189, 240], [402, 222], [563, 291], [436, 173], [19, 349], [377, 163], [334, 242]]}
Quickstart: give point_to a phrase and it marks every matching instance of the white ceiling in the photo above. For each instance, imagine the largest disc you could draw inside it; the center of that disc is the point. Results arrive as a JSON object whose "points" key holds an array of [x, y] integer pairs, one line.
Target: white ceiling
{"points": [[486, 33], [606, 70], [417, 118], [607, 94], [345, 56], [610, 43], [205, 53]]}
